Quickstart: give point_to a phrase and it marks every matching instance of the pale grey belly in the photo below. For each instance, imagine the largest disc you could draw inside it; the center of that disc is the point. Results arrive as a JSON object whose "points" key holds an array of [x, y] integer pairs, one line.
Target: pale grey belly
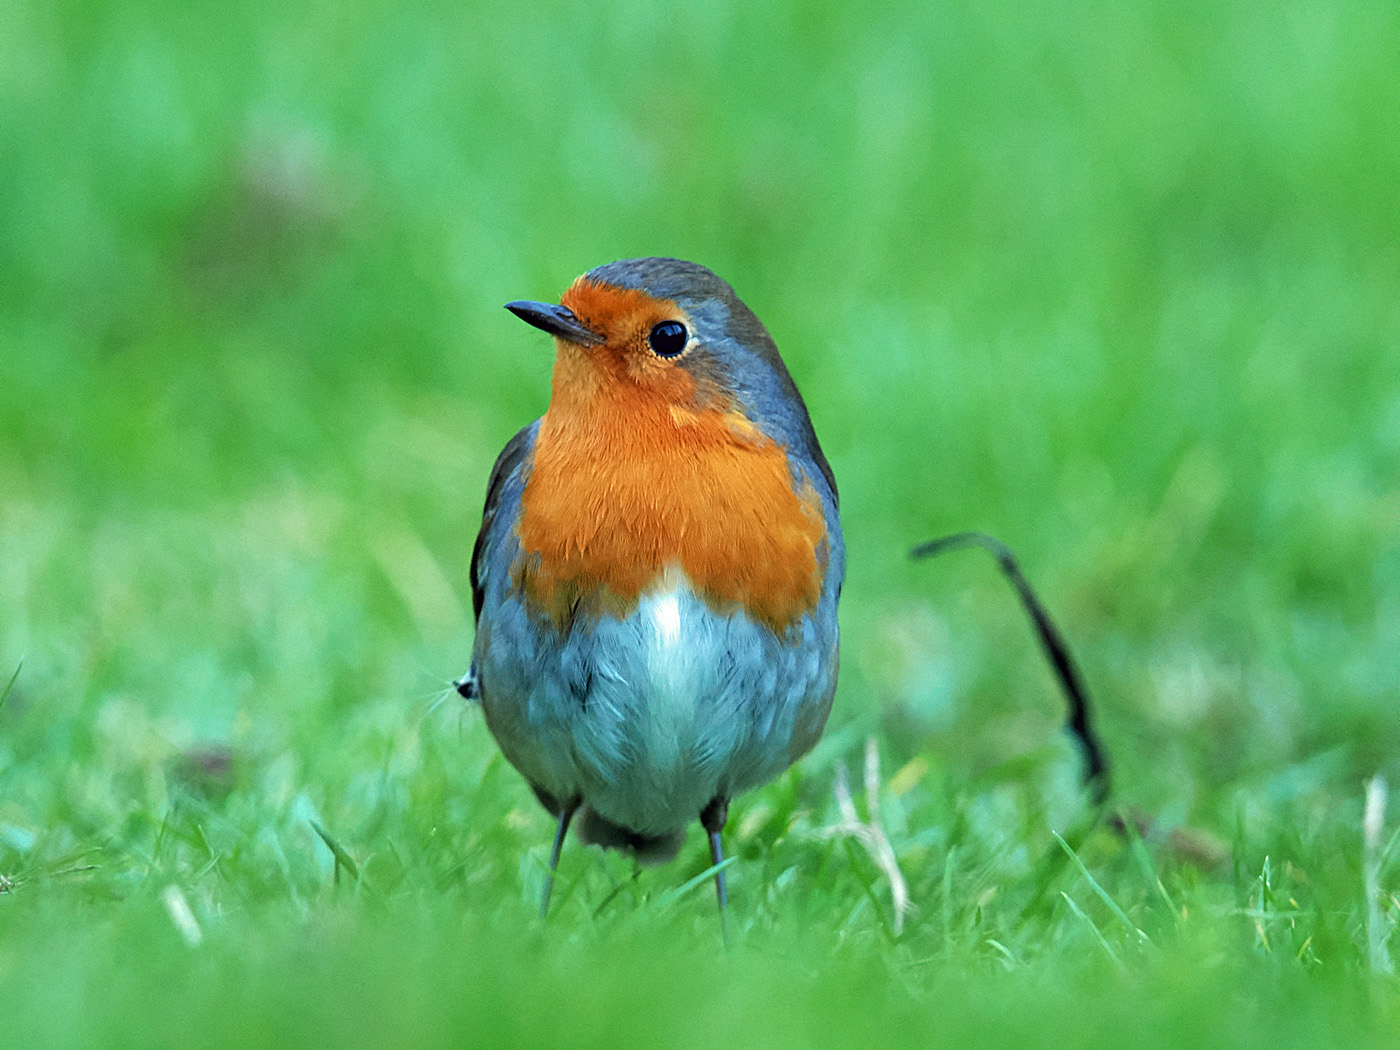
{"points": [[649, 718]]}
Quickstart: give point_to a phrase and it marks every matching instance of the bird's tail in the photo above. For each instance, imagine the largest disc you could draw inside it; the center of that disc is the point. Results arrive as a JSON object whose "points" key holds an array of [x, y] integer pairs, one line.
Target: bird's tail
{"points": [[597, 830]]}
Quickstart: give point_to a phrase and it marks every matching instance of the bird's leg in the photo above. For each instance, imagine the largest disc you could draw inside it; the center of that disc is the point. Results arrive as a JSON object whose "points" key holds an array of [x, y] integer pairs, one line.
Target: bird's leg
{"points": [[712, 819], [566, 814]]}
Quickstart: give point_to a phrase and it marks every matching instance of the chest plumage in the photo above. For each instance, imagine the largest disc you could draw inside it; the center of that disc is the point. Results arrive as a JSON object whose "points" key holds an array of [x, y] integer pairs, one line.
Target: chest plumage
{"points": [[626, 487]]}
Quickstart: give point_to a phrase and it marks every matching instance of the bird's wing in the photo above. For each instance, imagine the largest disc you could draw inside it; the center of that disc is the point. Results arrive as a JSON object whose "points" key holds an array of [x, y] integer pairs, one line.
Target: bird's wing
{"points": [[517, 450]]}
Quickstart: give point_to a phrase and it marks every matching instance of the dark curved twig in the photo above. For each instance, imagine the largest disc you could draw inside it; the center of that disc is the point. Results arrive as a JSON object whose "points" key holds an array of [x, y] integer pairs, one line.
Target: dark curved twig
{"points": [[1080, 719]]}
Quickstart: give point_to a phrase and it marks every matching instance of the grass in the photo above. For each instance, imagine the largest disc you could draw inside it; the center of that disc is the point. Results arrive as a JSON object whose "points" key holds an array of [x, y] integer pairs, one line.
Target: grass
{"points": [[1115, 284]]}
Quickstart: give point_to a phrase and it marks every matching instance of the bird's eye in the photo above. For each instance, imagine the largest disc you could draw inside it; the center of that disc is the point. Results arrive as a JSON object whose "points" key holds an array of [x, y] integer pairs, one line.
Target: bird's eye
{"points": [[667, 338]]}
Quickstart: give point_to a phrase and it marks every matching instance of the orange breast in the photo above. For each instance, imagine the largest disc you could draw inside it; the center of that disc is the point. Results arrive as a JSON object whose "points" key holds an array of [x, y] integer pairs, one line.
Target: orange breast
{"points": [[625, 485]]}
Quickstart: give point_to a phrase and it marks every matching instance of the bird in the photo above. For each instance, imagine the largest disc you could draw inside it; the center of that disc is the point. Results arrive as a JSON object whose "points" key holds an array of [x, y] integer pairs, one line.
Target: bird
{"points": [[656, 577]]}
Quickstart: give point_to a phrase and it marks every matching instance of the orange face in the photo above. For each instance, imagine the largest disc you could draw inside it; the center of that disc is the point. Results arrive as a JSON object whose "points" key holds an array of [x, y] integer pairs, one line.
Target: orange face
{"points": [[624, 317], [643, 465]]}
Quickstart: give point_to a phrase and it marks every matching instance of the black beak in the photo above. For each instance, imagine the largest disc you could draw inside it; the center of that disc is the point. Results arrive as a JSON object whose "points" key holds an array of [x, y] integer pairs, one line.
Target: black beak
{"points": [[556, 320]]}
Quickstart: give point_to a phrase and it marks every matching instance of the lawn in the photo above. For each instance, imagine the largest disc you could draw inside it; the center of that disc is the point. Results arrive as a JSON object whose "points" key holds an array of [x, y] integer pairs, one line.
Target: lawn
{"points": [[1119, 284]]}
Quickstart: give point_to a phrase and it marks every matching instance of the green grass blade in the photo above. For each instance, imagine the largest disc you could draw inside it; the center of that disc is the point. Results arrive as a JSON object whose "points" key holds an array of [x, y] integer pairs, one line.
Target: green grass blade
{"points": [[342, 858], [1102, 894], [1145, 863], [5, 693], [1098, 934], [670, 897]]}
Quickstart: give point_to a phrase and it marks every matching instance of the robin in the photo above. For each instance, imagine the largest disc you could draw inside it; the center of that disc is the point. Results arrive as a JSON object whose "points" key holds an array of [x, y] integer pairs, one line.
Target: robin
{"points": [[656, 577]]}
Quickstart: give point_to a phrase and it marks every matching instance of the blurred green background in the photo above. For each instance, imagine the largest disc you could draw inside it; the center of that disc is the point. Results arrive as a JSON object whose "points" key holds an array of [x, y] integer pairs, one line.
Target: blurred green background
{"points": [[1117, 283]]}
